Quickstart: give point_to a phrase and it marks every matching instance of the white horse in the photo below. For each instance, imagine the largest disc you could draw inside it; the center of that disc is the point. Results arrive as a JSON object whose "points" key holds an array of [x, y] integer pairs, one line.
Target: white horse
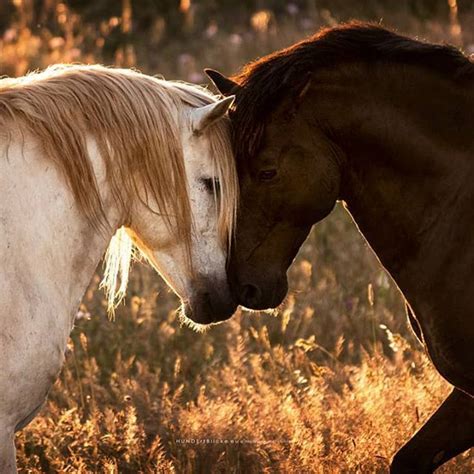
{"points": [[87, 152]]}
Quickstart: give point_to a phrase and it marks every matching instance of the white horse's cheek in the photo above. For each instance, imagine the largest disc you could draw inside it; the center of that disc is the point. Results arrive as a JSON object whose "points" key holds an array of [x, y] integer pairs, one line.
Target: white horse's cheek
{"points": [[208, 252]]}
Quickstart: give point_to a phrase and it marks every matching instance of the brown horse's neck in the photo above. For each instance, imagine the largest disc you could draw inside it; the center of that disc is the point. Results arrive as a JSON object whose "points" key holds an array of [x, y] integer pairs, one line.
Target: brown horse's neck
{"points": [[407, 144]]}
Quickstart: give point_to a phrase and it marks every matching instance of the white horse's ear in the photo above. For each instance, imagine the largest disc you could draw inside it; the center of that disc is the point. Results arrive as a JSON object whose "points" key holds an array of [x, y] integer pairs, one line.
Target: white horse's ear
{"points": [[204, 116]]}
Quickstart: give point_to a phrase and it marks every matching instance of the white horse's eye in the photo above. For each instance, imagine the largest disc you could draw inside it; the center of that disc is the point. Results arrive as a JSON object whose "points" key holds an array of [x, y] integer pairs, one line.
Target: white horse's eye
{"points": [[212, 185]]}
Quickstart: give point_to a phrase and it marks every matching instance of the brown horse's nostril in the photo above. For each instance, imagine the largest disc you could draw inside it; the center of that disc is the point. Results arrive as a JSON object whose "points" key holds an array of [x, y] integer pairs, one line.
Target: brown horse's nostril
{"points": [[209, 307], [250, 295]]}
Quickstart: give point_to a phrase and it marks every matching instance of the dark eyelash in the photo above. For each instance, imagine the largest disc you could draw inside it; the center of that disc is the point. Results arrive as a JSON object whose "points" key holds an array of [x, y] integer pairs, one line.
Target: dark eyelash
{"points": [[212, 185]]}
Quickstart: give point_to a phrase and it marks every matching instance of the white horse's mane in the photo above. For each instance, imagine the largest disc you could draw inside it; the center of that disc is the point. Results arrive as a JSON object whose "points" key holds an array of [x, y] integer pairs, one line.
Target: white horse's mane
{"points": [[134, 119]]}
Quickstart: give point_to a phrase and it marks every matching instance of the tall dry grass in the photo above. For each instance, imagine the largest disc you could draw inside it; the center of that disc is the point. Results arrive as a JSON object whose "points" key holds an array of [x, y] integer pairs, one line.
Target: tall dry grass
{"points": [[332, 382], [319, 387]]}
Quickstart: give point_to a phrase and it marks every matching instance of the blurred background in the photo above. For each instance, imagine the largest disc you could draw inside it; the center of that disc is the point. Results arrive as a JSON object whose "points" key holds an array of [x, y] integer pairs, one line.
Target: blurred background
{"points": [[333, 381], [179, 37]]}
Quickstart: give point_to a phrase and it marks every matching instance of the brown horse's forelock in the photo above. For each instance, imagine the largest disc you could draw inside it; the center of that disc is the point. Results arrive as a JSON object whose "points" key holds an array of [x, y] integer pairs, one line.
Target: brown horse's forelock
{"points": [[265, 82]]}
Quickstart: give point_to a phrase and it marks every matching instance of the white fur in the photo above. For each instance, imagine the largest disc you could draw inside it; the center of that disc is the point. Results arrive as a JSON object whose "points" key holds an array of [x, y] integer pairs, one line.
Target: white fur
{"points": [[49, 252]]}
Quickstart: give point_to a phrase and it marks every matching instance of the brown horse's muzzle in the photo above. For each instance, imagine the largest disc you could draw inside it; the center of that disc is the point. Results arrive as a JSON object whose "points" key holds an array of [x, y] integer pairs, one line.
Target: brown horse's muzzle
{"points": [[258, 290], [259, 261], [252, 296]]}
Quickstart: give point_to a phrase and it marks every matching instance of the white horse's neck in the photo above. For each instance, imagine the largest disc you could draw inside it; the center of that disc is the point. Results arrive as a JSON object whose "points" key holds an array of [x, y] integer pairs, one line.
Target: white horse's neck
{"points": [[48, 254], [47, 244]]}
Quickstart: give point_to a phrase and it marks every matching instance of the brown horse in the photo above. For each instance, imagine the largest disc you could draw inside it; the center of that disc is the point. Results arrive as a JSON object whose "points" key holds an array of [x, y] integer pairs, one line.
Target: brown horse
{"points": [[385, 124]]}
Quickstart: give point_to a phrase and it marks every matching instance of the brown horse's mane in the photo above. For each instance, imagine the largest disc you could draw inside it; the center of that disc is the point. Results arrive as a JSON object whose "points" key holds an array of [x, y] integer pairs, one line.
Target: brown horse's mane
{"points": [[265, 82]]}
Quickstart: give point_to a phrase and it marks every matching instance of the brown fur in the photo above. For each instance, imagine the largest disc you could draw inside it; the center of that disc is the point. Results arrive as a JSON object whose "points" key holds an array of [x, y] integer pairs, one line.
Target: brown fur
{"points": [[385, 124]]}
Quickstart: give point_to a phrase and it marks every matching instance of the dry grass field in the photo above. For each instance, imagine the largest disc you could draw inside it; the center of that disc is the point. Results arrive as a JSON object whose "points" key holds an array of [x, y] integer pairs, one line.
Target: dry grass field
{"points": [[333, 381]]}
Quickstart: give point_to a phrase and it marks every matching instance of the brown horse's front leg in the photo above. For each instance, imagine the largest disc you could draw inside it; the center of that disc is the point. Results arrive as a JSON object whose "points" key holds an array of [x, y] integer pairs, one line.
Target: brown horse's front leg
{"points": [[448, 432]]}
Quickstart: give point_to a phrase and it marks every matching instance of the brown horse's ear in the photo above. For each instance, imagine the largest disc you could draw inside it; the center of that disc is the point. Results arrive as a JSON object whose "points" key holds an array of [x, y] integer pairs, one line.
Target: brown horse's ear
{"points": [[223, 84]]}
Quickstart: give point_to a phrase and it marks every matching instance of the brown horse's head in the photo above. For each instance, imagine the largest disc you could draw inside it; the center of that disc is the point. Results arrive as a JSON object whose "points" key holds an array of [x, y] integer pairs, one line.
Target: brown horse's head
{"points": [[289, 178], [298, 114]]}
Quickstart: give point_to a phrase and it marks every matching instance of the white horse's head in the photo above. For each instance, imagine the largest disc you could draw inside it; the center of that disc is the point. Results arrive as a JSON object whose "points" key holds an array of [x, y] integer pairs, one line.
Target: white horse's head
{"points": [[194, 265], [166, 173], [182, 221]]}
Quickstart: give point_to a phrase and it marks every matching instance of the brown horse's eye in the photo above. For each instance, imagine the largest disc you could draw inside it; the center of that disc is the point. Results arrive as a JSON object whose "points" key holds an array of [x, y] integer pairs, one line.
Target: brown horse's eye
{"points": [[267, 175]]}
